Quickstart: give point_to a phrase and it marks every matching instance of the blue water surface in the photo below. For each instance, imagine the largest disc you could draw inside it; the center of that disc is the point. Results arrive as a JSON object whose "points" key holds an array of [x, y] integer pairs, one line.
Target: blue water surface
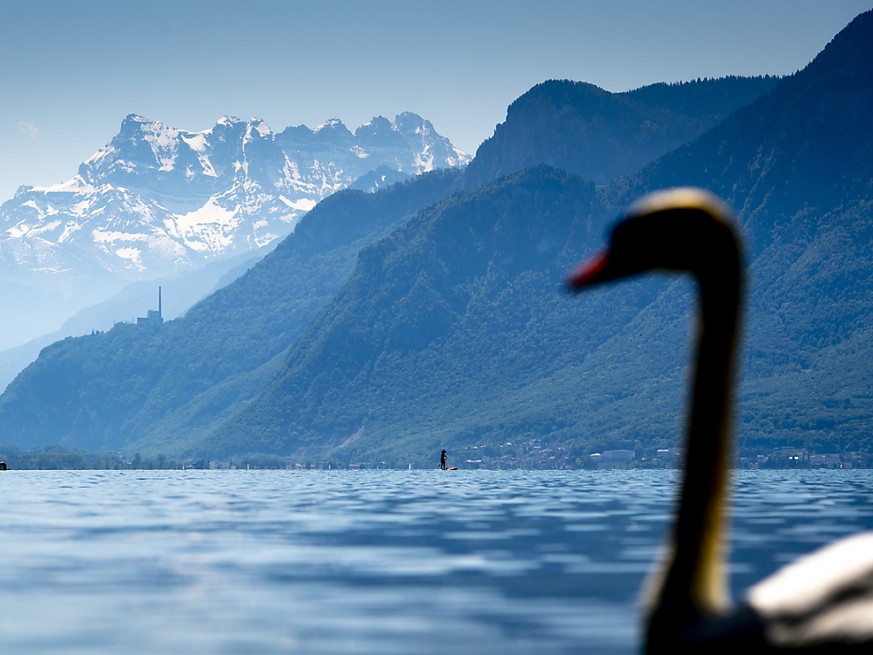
{"points": [[383, 562]]}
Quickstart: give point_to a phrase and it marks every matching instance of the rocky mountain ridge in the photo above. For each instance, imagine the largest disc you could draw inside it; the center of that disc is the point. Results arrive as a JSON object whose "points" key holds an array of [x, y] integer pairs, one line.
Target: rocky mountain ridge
{"points": [[158, 201]]}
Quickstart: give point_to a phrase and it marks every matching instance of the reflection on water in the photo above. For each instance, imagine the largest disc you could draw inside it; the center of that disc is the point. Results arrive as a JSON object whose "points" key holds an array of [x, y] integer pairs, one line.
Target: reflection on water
{"points": [[406, 562]]}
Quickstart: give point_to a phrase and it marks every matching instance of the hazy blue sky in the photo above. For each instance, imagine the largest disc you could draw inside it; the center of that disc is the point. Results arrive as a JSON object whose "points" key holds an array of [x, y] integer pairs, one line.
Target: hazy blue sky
{"points": [[71, 70]]}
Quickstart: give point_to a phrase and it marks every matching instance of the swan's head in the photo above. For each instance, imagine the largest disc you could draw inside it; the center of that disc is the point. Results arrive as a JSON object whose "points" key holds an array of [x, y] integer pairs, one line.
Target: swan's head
{"points": [[681, 229]]}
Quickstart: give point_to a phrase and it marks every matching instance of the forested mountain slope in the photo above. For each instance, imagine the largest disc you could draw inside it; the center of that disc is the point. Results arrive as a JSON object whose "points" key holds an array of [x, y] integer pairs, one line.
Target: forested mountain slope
{"points": [[433, 315], [106, 390], [452, 330]]}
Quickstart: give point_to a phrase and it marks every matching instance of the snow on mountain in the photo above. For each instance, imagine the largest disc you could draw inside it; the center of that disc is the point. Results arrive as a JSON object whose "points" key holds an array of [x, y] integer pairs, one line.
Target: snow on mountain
{"points": [[158, 200]]}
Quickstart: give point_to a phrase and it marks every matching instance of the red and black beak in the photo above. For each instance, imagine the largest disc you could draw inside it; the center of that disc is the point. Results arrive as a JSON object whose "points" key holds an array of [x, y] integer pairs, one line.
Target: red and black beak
{"points": [[590, 272]]}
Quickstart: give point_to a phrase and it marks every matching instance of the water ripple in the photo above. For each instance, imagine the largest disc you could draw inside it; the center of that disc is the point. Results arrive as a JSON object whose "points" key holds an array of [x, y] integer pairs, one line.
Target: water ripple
{"points": [[410, 562]]}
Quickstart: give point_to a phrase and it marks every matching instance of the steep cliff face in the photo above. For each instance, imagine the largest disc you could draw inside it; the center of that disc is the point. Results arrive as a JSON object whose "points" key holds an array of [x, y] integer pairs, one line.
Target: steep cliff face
{"points": [[600, 135]]}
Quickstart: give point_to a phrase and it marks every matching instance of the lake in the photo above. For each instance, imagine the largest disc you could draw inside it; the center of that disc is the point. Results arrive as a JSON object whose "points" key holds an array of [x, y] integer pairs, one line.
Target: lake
{"points": [[382, 562]]}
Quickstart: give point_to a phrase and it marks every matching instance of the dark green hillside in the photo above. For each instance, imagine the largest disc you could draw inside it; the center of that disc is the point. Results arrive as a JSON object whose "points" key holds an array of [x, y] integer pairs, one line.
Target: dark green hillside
{"points": [[798, 165], [451, 332], [455, 331], [599, 135], [134, 383]]}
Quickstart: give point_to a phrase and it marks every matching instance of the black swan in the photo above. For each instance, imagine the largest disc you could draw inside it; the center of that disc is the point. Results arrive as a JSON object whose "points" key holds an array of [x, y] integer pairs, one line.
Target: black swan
{"points": [[821, 603]]}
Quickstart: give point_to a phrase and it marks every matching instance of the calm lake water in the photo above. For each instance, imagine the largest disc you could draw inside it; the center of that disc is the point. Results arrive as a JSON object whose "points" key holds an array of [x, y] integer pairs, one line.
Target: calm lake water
{"points": [[382, 562]]}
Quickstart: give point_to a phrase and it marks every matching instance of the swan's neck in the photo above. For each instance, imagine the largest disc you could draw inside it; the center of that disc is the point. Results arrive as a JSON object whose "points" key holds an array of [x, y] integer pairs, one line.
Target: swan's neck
{"points": [[693, 582]]}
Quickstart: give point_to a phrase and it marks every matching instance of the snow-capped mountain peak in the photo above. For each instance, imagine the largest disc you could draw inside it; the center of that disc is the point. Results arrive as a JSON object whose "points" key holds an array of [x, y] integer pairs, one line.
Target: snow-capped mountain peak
{"points": [[157, 199], [257, 129], [332, 124]]}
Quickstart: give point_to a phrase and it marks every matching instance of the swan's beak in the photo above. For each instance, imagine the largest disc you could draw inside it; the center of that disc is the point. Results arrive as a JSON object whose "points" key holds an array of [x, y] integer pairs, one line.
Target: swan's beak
{"points": [[588, 273]]}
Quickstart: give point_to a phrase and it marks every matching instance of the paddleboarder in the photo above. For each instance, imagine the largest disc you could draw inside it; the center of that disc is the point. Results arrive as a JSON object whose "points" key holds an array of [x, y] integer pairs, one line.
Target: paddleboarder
{"points": [[443, 460]]}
